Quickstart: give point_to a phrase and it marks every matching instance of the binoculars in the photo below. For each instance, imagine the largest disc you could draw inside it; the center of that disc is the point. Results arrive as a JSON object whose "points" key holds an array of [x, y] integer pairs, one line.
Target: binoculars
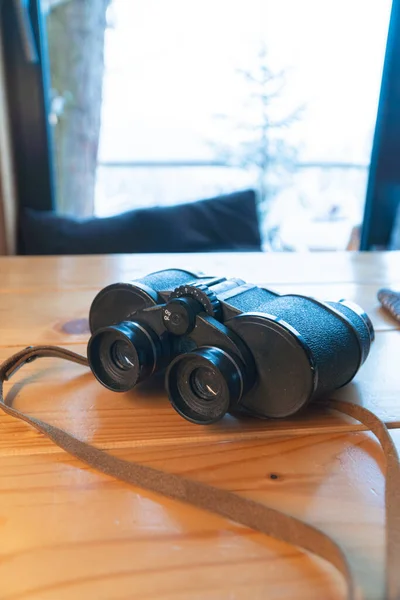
{"points": [[226, 345]]}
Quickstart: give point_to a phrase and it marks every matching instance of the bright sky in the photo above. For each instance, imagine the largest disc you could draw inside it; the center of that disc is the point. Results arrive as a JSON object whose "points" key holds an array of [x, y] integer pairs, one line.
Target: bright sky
{"points": [[170, 68]]}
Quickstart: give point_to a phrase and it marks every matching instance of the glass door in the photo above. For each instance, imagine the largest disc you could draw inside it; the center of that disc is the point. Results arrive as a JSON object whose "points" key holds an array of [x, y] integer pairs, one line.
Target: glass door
{"points": [[169, 101]]}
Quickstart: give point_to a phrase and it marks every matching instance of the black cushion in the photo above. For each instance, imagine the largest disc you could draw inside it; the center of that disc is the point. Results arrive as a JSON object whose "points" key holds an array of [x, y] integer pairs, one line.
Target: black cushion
{"points": [[224, 223]]}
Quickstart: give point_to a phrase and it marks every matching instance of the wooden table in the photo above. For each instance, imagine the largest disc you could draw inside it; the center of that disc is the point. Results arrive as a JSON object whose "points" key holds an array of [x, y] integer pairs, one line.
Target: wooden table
{"points": [[68, 532]]}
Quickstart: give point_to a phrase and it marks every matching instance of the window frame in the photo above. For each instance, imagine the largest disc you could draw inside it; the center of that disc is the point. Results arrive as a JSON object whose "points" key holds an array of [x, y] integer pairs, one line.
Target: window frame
{"points": [[26, 74], [383, 189]]}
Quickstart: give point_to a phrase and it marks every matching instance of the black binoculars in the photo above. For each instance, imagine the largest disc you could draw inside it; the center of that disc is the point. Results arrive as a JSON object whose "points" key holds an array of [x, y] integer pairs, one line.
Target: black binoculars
{"points": [[226, 345]]}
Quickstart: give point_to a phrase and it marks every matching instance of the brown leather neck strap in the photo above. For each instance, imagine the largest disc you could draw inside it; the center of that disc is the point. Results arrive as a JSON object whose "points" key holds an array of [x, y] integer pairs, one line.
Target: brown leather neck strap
{"points": [[247, 512]]}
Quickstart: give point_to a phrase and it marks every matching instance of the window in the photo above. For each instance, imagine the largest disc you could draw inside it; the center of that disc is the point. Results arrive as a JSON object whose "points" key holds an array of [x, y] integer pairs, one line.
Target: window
{"points": [[178, 80]]}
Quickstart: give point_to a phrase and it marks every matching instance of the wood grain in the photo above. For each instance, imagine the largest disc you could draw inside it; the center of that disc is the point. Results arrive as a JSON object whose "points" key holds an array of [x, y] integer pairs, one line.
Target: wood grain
{"points": [[270, 269], [69, 532], [75, 533]]}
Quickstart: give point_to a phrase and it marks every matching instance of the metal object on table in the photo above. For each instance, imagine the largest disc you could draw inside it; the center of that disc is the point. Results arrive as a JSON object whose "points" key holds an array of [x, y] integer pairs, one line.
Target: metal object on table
{"points": [[390, 301]]}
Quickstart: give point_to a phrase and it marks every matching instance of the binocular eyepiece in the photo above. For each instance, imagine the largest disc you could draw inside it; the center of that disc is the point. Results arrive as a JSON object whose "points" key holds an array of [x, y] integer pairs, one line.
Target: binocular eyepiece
{"points": [[227, 346], [122, 355], [203, 384]]}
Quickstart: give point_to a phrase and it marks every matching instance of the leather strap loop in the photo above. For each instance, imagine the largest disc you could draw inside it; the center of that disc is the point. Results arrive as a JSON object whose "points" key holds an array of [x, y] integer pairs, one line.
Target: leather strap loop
{"points": [[11, 365], [247, 512]]}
